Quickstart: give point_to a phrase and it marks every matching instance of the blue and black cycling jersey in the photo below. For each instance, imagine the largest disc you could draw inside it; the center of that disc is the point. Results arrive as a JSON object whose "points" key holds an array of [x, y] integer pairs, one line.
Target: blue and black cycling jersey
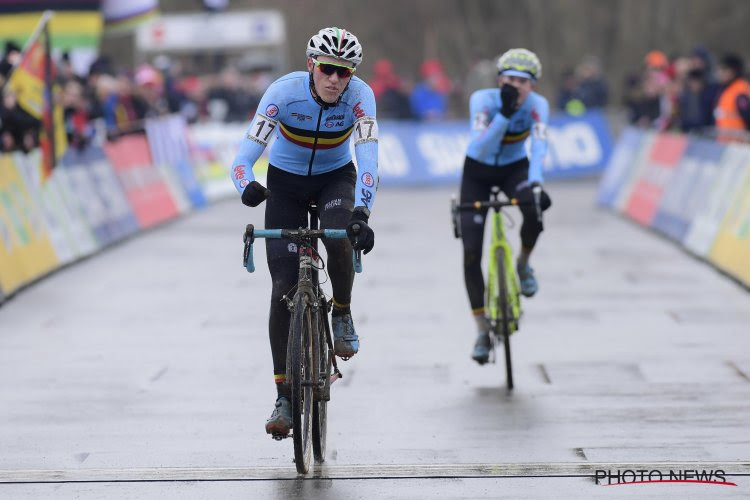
{"points": [[312, 139], [497, 140]]}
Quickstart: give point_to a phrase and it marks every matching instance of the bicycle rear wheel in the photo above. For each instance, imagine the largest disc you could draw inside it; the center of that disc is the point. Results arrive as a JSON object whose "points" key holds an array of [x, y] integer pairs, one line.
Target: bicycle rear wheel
{"points": [[320, 406], [504, 313], [300, 368]]}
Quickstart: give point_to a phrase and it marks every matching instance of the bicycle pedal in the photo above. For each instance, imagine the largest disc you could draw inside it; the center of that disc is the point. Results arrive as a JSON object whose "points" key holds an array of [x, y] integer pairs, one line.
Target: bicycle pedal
{"points": [[278, 437]]}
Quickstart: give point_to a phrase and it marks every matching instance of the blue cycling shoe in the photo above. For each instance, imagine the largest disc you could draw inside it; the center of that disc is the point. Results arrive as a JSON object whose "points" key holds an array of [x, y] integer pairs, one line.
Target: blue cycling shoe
{"points": [[345, 339], [481, 352], [529, 286]]}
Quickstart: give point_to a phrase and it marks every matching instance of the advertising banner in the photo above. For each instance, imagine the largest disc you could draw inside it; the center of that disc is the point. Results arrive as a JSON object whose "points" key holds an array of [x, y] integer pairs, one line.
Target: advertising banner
{"points": [[144, 186], [25, 250], [638, 166], [98, 195], [687, 193], [413, 153], [666, 152], [50, 206], [620, 166], [731, 250], [735, 165], [169, 146], [213, 147]]}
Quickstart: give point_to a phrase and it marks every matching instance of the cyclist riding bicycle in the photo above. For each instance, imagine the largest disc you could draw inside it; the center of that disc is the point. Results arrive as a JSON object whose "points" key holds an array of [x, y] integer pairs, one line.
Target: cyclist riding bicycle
{"points": [[501, 120], [313, 115]]}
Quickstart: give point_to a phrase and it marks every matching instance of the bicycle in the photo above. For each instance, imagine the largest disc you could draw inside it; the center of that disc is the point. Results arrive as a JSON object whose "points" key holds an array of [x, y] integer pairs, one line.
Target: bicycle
{"points": [[502, 291], [311, 365]]}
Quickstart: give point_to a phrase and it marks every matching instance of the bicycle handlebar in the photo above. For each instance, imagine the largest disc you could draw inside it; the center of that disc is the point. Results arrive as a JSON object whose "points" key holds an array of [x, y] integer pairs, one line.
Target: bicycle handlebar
{"points": [[251, 233], [300, 233], [479, 205], [492, 204]]}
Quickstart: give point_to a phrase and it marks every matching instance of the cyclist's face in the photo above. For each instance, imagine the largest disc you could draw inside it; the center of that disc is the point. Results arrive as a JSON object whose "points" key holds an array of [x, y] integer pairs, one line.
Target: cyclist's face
{"points": [[524, 85], [328, 87]]}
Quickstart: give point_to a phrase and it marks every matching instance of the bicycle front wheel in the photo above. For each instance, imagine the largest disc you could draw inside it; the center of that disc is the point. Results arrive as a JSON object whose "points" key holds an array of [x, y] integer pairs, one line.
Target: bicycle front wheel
{"points": [[504, 312], [320, 406], [300, 368]]}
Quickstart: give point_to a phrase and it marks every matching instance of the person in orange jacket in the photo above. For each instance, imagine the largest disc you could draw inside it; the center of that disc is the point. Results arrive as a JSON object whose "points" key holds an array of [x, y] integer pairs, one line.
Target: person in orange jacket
{"points": [[732, 111]]}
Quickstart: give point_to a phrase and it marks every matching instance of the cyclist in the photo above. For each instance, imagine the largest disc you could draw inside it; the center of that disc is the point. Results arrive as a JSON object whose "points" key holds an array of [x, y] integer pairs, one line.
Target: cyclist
{"points": [[501, 120], [313, 115]]}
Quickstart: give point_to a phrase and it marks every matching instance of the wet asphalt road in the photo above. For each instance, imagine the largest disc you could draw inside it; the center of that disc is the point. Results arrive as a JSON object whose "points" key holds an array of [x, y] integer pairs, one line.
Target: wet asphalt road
{"points": [[145, 372]]}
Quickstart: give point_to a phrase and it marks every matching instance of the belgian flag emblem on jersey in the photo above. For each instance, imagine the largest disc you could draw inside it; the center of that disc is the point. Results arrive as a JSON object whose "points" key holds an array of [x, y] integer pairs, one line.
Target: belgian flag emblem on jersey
{"points": [[306, 138]]}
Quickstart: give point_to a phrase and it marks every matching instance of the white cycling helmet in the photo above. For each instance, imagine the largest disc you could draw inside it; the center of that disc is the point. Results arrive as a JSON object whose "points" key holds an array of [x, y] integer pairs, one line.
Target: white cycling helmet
{"points": [[520, 62], [335, 42]]}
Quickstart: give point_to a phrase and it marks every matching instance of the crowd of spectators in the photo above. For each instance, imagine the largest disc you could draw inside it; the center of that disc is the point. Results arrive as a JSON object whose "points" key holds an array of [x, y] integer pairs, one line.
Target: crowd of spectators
{"points": [[116, 101], [690, 93], [682, 93]]}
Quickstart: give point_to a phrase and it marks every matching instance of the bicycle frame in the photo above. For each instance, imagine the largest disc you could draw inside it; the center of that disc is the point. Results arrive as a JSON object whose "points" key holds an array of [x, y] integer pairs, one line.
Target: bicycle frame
{"points": [[499, 242]]}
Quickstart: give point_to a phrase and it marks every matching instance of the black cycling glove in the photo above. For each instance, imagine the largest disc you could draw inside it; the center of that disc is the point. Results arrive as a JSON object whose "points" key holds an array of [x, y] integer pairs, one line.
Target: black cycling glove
{"points": [[509, 96], [255, 194], [360, 234]]}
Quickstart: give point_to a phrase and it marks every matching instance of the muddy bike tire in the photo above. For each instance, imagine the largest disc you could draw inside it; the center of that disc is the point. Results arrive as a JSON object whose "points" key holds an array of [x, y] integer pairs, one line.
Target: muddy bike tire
{"points": [[505, 312], [320, 405], [300, 370]]}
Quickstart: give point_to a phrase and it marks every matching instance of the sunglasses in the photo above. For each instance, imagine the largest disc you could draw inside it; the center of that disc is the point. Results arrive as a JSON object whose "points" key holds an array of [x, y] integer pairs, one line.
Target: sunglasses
{"points": [[330, 68]]}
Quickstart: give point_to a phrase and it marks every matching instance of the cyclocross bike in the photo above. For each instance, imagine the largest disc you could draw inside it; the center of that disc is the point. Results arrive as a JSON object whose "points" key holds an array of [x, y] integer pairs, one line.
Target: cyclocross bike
{"points": [[311, 365], [502, 297]]}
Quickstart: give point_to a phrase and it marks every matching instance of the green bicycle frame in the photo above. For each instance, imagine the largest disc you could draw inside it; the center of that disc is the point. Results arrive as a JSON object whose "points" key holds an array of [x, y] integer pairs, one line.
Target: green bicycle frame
{"points": [[499, 242]]}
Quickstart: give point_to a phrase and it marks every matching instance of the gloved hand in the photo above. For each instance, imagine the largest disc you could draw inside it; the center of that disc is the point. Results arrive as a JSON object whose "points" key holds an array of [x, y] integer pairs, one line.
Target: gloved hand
{"points": [[509, 96], [254, 194], [360, 234]]}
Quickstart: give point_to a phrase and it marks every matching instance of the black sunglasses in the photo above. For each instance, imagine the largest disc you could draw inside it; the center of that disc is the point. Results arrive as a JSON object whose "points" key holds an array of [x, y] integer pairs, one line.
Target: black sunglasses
{"points": [[330, 68]]}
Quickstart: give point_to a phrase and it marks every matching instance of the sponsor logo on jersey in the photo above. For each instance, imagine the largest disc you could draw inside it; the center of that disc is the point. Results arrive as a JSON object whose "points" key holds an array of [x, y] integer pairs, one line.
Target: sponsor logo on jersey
{"points": [[366, 197], [272, 110], [292, 247], [239, 172], [368, 180], [244, 182], [301, 117], [335, 117], [332, 203], [358, 111]]}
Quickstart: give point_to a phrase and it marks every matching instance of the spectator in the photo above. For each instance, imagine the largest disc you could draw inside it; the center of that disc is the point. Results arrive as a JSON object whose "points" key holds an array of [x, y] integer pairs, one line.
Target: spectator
{"points": [[592, 88], [11, 57], [701, 59], [392, 101], [696, 102], [230, 101], [78, 127], [18, 129], [733, 108], [429, 99], [150, 88], [647, 96]]}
